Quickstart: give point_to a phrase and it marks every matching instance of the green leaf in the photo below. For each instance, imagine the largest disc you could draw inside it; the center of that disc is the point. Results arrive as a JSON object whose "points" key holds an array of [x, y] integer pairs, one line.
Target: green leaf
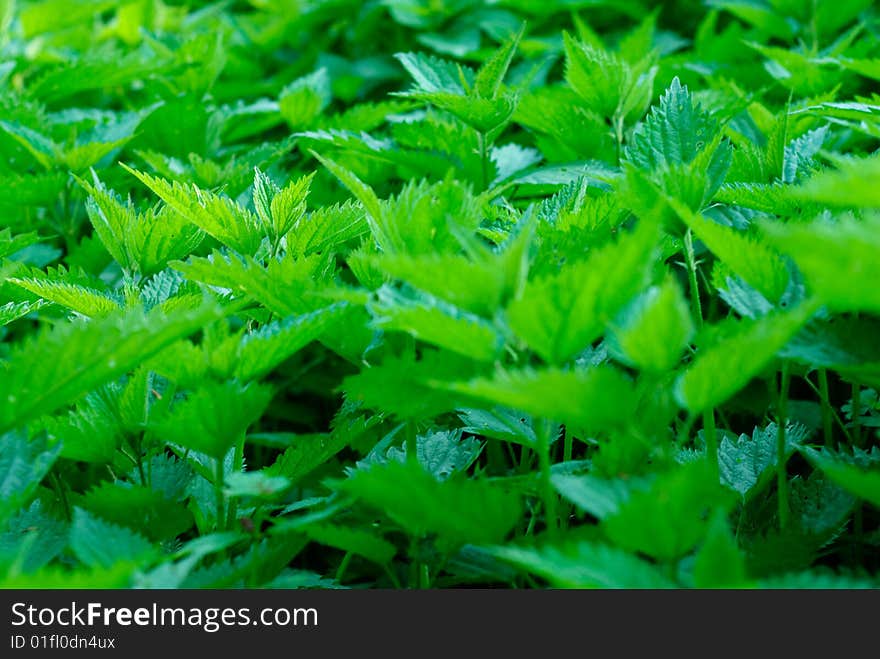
{"points": [[214, 417], [559, 315], [436, 322], [748, 463], [32, 538], [354, 540], [653, 331], [139, 508], [59, 365], [218, 216], [459, 511], [98, 544], [599, 398], [12, 311], [857, 473], [442, 453], [721, 370], [719, 562], [669, 518], [583, 564], [852, 185], [850, 254], [255, 485], [266, 348], [23, 464], [85, 301], [600, 497], [487, 81], [746, 255]]}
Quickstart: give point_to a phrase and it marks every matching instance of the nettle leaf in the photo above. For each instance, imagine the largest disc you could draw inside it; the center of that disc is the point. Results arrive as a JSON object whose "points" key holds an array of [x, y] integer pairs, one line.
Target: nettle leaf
{"points": [[499, 423], [442, 453], [746, 255], [255, 485], [59, 365], [652, 332], [138, 508], [852, 185], [280, 209], [436, 322], [307, 453], [719, 562], [11, 243], [583, 564], [85, 301], [607, 83], [669, 518], [218, 216], [478, 99], [600, 497], [327, 228], [850, 253], [24, 463], [97, 543], [747, 464], [33, 537], [354, 540], [857, 473], [144, 242], [305, 98], [560, 315], [12, 311], [90, 433], [599, 398], [405, 386], [264, 349], [458, 511], [675, 131], [721, 370], [282, 285], [214, 417]]}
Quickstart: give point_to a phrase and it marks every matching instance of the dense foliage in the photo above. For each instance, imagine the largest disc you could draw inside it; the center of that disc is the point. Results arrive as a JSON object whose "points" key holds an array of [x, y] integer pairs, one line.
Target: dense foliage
{"points": [[405, 293]]}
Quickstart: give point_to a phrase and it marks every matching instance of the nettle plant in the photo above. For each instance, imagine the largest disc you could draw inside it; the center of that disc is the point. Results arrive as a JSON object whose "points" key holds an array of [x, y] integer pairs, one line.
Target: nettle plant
{"points": [[440, 296]]}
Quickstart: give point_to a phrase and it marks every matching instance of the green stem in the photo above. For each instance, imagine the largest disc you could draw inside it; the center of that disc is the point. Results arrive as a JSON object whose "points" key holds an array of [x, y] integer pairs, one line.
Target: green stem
{"points": [[548, 494], [237, 466], [711, 438], [696, 306], [568, 445], [484, 159], [218, 493], [856, 415], [412, 442], [827, 412], [618, 122], [62, 495], [781, 472], [343, 565]]}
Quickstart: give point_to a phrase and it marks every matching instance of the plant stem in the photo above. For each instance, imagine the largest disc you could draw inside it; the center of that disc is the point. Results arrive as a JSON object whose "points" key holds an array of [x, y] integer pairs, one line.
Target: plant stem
{"points": [[856, 415], [237, 466], [484, 159], [412, 442], [343, 565], [548, 495], [218, 493], [781, 472], [618, 135], [696, 307], [568, 445], [711, 437], [827, 412]]}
